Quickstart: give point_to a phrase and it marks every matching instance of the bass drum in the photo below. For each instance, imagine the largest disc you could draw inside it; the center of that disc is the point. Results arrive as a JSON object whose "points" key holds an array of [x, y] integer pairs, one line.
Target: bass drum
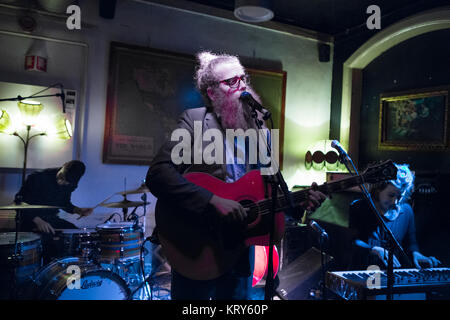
{"points": [[75, 278]]}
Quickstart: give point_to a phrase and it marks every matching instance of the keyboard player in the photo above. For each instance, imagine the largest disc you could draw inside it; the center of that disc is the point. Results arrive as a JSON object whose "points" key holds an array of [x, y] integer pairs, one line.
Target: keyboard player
{"points": [[391, 199]]}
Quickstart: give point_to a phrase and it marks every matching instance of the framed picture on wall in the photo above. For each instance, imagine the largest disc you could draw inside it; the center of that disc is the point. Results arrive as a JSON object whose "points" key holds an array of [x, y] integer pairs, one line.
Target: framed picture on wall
{"points": [[147, 91], [414, 120], [271, 87]]}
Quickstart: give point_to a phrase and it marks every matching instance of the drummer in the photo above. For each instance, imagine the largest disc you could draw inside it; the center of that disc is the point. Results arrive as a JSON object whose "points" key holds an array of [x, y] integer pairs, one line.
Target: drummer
{"points": [[52, 187]]}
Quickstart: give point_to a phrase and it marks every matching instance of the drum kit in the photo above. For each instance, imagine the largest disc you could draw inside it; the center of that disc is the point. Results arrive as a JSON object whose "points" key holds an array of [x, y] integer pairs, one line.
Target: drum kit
{"points": [[101, 263]]}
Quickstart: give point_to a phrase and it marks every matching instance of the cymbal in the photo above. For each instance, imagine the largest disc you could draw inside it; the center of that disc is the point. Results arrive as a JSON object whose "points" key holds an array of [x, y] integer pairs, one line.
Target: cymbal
{"points": [[124, 204], [142, 189], [26, 206]]}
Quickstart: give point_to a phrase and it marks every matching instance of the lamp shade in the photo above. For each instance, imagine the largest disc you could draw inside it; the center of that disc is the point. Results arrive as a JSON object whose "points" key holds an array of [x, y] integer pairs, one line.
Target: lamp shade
{"points": [[63, 128], [5, 121], [253, 10], [321, 156], [29, 111]]}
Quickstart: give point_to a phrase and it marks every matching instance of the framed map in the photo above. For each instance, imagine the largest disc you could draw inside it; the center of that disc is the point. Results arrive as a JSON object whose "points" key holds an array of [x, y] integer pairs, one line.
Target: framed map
{"points": [[147, 91]]}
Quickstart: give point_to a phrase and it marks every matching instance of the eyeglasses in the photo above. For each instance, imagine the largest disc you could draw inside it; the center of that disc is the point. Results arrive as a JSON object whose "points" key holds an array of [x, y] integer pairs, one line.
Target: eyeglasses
{"points": [[234, 82]]}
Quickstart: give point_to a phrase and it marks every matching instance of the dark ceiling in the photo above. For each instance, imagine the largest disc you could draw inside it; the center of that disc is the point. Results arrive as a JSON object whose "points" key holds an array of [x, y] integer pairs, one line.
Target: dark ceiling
{"points": [[335, 17]]}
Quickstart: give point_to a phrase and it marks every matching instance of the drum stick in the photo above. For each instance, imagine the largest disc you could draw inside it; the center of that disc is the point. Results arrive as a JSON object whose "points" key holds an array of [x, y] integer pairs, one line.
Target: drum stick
{"points": [[99, 204]]}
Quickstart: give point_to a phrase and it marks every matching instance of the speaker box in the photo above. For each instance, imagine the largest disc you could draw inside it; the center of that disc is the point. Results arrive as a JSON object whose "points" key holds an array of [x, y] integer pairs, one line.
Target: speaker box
{"points": [[295, 242], [324, 52], [107, 8], [299, 277]]}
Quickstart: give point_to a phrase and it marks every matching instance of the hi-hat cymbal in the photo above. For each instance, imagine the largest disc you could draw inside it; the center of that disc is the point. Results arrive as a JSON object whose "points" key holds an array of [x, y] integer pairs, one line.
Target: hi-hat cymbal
{"points": [[142, 189], [124, 204], [26, 206]]}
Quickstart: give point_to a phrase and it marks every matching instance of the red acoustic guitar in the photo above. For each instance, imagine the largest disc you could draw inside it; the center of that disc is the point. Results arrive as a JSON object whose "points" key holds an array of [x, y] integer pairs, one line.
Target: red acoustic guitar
{"points": [[203, 248]]}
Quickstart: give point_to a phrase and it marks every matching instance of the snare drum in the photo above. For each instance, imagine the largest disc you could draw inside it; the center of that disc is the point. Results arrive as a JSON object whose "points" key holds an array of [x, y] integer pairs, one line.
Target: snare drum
{"points": [[79, 242], [119, 242], [76, 278]]}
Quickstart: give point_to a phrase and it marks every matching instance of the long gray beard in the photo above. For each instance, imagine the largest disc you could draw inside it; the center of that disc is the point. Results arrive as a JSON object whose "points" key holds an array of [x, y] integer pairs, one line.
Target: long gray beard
{"points": [[233, 114]]}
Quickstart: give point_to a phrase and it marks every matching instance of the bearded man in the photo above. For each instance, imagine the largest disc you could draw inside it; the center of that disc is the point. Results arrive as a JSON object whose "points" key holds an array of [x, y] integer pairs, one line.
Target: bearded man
{"points": [[221, 79]]}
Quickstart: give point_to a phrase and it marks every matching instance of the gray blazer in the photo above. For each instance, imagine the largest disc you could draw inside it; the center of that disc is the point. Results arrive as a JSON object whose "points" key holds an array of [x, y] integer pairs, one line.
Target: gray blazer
{"points": [[164, 178]]}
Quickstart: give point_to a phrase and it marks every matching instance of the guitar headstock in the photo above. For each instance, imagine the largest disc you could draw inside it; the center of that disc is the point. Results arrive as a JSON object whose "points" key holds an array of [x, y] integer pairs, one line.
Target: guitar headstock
{"points": [[380, 172]]}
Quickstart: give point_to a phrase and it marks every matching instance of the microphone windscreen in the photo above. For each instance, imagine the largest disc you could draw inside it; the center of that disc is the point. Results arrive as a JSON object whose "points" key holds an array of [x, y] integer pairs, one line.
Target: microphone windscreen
{"points": [[334, 143], [245, 95]]}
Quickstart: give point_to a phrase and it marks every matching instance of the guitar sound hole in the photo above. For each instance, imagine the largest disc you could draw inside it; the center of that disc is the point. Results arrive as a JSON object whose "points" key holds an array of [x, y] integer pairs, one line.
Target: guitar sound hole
{"points": [[252, 214]]}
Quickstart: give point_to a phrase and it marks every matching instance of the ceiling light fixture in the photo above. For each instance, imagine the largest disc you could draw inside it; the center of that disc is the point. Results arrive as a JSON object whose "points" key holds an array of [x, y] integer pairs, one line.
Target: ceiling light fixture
{"points": [[253, 10]]}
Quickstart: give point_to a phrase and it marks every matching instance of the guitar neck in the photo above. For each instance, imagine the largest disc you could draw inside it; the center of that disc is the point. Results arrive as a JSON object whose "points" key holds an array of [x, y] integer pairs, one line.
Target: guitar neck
{"points": [[301, 195]]}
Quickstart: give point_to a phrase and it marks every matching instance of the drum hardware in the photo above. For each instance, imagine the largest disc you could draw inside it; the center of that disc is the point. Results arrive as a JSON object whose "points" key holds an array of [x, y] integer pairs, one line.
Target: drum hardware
{"points": [[124, 205], [142, 189], [88, 252], [49, 281], [18, 271], [147, 282], [25, 206], [16, 257], [119, 242], [77, 242], [112, 216], [91, 283]]}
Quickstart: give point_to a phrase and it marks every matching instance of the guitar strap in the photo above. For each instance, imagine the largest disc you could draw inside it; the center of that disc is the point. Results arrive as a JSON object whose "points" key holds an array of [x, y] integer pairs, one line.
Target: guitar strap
{"points": [[267, 181]]}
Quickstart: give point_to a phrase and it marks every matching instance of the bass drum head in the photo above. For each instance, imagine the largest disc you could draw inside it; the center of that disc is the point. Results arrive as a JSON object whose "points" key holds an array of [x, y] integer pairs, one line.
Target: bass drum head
{"points": [[97, 285], [75, 278]]}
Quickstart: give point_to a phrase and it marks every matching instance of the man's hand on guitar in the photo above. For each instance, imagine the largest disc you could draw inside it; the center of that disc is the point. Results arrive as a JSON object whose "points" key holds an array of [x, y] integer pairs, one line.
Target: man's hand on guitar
{"points": [[229, 209], [315, 199]]}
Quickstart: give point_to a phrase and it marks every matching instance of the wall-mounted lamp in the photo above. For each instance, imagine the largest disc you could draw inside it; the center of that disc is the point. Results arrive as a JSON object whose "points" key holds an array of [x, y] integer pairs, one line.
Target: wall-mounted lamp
{"points": [[63, 128], [30, 111], [5, 121], [321, 156], [253, 10]]}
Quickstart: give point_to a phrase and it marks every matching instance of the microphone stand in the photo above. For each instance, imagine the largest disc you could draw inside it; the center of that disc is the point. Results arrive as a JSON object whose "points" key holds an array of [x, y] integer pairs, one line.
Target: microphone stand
{"points": [[391, 242], [276, 181], [323, 261], [323, 244]]}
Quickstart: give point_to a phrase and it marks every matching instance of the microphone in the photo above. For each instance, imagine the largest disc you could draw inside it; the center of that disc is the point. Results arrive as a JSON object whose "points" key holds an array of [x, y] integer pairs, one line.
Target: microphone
{"points": [[336, 145], [62, 95], [110, 217], [315, 226], [248, 98]]}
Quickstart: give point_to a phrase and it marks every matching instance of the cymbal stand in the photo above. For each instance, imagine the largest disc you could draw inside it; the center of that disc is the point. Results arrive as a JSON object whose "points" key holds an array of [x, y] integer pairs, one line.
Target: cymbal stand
{"points": [[17, 255], [144, 199], [125, 210]]}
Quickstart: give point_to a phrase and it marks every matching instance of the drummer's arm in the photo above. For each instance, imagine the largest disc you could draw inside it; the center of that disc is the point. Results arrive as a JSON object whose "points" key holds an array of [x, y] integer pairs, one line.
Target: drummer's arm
{"points": [[43, 226], [67, 204], [83, 211]]}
